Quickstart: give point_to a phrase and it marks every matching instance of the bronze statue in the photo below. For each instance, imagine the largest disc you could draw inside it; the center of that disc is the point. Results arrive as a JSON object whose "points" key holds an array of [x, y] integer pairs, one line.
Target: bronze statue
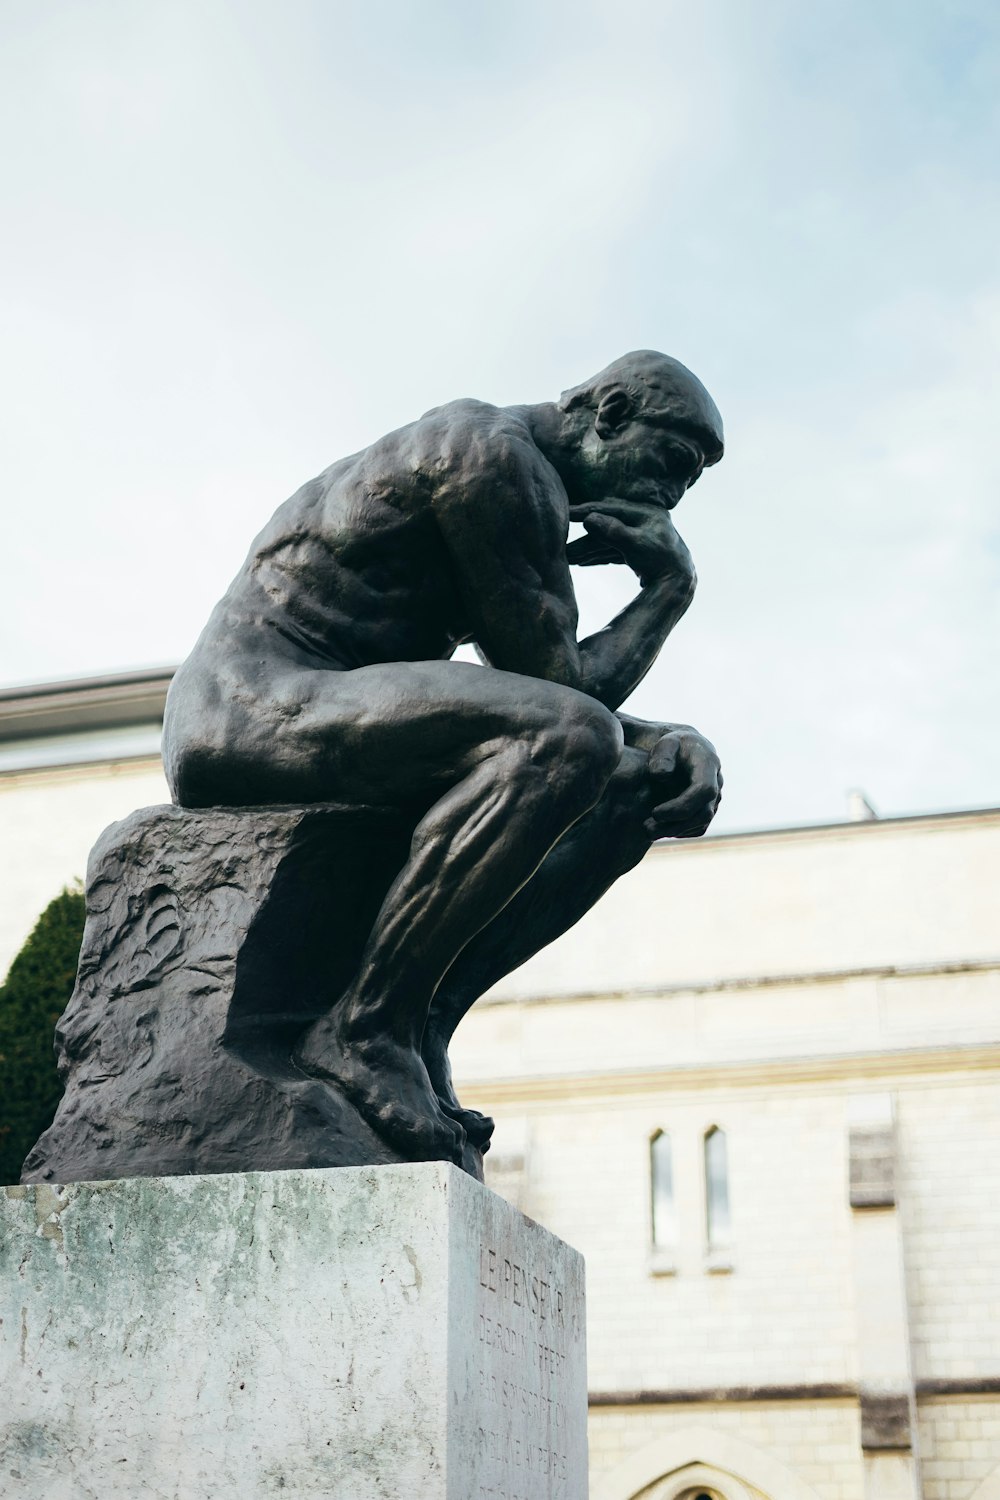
{"points": [[324, 677]]}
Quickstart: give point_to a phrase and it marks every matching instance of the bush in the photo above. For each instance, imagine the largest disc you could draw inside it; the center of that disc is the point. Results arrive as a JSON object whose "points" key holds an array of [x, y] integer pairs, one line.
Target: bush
{"points": [[33, 998]]}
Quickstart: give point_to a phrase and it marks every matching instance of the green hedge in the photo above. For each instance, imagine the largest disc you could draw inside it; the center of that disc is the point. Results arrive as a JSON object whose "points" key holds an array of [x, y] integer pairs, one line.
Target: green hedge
{"points": [[33, 998]]}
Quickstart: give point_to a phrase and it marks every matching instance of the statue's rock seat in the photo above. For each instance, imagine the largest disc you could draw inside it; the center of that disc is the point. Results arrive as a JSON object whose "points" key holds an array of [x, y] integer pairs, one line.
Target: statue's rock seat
{"points": [[213, 938]]}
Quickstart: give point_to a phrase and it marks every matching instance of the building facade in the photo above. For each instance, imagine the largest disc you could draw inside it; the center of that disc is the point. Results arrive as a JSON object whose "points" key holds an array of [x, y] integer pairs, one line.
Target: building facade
{"points": [[74, 757], [758, 1086]]}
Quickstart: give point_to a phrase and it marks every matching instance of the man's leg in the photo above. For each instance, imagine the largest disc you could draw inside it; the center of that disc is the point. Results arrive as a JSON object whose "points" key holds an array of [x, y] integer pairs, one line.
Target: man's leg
{"points": [[475, 848], [495, 768], [587, 860]]}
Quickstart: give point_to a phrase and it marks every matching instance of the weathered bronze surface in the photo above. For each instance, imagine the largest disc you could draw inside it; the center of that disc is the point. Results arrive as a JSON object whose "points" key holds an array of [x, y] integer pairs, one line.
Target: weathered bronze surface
{"points": [[410, 828]]}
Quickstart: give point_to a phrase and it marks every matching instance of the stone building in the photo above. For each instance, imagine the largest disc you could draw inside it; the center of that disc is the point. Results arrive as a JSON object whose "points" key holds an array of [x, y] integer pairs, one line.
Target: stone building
{"points": [[758, 1087], [74, 756]]}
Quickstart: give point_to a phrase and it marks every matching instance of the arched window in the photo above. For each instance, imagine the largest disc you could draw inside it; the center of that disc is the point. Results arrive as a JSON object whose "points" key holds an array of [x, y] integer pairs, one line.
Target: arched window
{"points": [[663, 1207], [717, 1221], [709, 1484]]}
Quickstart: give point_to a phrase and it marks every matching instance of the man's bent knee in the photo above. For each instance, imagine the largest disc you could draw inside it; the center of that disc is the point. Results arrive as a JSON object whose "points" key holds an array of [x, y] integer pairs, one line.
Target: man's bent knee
{"points": [[581, 747]]}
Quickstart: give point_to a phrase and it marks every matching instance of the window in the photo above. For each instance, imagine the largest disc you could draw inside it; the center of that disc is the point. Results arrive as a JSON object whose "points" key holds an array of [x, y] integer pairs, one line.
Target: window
{"points": [[717, 1221], [669, 1243], [661, 1174], [697, 1481]]}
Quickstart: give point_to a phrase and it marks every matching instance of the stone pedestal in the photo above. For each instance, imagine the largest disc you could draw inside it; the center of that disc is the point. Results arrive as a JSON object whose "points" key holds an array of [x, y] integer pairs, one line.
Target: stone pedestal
{"points": [[369, 1333]]}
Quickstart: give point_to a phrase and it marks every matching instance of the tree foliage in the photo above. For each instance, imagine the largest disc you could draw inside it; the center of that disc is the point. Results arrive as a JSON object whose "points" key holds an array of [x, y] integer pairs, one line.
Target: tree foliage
{"points": [[32, 999]]}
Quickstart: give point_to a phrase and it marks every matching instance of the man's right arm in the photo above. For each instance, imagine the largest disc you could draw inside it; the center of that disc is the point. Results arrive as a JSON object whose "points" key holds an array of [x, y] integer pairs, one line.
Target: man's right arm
{"points": [[504, 517], [616, 659]]}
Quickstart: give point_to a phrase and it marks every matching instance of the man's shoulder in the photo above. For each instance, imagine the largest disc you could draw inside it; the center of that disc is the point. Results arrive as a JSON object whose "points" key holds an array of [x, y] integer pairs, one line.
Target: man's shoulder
{"points": [[475, 438], [470, 420]]}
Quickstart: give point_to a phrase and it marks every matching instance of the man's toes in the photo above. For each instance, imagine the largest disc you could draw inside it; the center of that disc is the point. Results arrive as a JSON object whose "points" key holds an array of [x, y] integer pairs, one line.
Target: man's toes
{"points": [[451, 1140], [426, 1137], [478, 1127]]}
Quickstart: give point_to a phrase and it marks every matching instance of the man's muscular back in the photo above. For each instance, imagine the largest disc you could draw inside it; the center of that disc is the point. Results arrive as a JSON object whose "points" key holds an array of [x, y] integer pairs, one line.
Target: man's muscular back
{"points": [[379, 558]]}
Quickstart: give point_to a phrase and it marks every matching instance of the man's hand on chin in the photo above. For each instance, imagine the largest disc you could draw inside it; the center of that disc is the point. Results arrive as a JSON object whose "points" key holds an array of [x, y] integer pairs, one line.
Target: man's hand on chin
{"points": [[637, 533]]}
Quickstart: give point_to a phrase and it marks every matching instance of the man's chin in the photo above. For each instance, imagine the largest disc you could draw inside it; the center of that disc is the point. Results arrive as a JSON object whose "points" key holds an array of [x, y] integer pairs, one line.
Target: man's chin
{"points": [[648, 492]]}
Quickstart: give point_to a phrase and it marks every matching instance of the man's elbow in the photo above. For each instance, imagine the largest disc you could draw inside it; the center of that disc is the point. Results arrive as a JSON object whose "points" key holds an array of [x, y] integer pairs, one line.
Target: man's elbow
{"points": [[565, 668]]}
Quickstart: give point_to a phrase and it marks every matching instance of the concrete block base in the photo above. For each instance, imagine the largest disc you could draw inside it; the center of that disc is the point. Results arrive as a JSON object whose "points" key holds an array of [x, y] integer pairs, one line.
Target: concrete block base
{"points": [[368, 1333]]}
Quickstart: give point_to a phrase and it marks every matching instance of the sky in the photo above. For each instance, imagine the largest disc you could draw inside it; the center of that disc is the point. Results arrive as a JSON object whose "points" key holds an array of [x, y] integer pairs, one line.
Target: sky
{"points": [[243, 239]]}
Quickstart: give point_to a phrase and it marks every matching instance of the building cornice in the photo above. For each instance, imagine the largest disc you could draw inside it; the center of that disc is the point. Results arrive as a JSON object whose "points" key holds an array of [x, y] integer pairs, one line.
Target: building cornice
{"points": [[791, 979], [869, 828], [77, 773], [716, 1395], [87, 703], [580, 1089], [749, 1395]]}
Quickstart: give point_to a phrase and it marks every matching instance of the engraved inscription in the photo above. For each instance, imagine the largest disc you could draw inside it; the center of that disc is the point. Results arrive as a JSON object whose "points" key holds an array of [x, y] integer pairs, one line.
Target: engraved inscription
{"points": [[522, 1355], [508, 1280]]}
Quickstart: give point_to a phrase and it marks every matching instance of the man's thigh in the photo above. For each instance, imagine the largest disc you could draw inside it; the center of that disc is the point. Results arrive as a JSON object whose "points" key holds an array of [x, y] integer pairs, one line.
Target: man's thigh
{"points": [[397, 734]]}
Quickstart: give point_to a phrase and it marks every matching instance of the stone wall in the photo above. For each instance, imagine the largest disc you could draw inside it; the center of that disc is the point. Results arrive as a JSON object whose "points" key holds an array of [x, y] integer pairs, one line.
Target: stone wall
{"points": [[791, 989], [960, 1441], [817, 1442]]}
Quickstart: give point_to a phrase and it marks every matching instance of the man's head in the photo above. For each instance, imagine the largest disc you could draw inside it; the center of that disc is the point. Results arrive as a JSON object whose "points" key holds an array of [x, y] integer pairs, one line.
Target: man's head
{"points": [[644, 428]]}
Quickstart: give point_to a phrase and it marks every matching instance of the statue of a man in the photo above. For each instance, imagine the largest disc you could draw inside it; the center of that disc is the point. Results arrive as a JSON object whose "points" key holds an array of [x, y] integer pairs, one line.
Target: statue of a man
{"points": [[324, 675]]}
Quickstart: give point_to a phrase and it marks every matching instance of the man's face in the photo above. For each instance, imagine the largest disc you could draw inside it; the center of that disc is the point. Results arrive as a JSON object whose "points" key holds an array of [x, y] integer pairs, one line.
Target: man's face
{"points": [[651, 458]]}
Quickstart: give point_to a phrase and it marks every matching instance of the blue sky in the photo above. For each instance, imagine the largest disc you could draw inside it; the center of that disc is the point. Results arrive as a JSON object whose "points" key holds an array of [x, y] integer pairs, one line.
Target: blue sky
{"points": [[243, 239]]}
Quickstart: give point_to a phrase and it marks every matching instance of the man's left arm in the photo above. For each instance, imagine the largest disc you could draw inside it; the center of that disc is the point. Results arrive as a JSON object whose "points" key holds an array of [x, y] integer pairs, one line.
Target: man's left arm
{"points": [[683, 767], [617, 658]]}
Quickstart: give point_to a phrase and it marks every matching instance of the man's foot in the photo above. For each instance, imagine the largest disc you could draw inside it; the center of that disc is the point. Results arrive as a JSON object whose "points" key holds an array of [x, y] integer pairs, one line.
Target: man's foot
{"points": [[478, 1127], [388, 1085]]}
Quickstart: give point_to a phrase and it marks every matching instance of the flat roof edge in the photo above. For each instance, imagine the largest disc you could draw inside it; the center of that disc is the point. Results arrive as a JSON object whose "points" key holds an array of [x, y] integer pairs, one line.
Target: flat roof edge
{"points": [[72, 686], [50, 709], [802, 830]]}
